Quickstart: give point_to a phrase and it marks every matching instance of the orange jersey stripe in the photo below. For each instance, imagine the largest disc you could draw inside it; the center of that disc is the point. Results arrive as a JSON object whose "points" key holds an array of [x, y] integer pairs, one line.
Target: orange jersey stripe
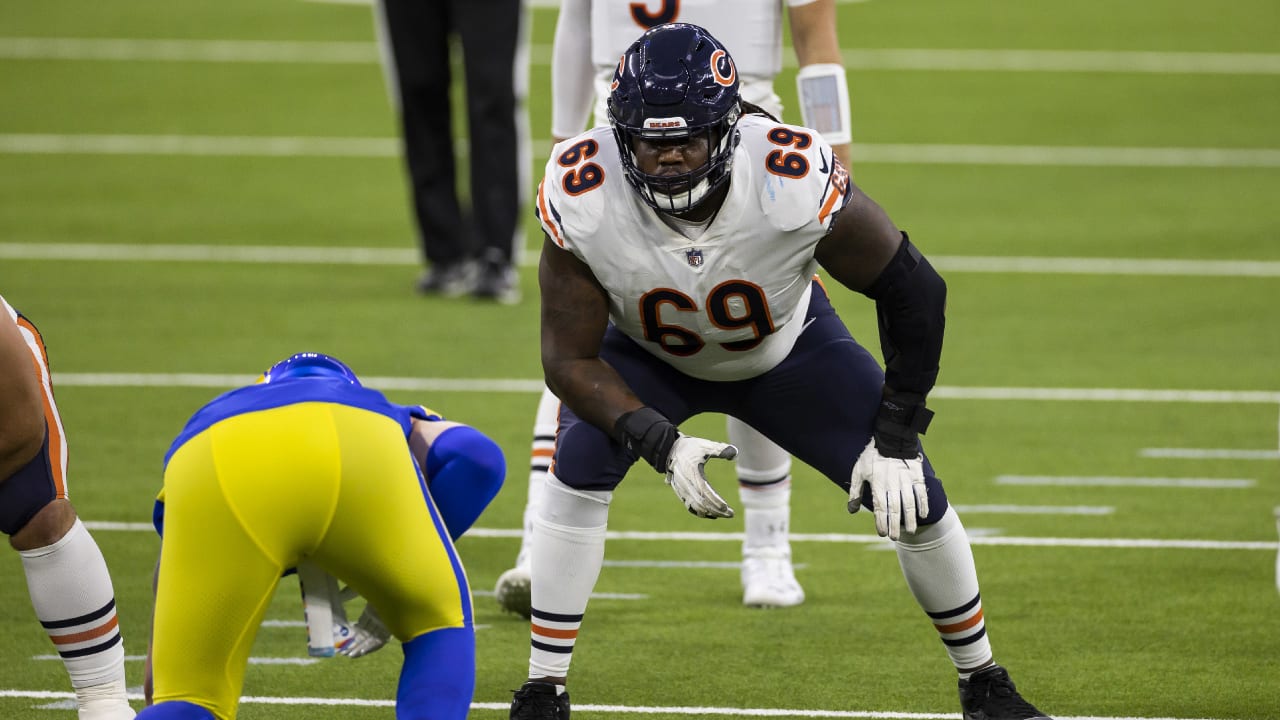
{"points": [[552, 633], [963, 625], [104, 629], [543, 452], [829, 204], [57, 439], [547, 221]]}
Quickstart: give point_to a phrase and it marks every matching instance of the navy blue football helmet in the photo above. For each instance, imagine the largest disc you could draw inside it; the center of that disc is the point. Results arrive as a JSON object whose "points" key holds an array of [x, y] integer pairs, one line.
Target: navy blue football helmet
{"points": [[675, 82], [310, 365]]}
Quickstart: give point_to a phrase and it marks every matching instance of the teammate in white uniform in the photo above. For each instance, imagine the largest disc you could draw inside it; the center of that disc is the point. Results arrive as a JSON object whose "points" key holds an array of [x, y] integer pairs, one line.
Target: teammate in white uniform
{"points": [[677, 278], [590, 35], [67, 577]]}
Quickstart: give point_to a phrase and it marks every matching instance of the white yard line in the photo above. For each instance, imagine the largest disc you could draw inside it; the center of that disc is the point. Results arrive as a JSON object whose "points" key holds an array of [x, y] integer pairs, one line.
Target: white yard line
{"points": [[608, 710], [1036, 509], [883, 153], [302, 255], [1090, 481], [902, 59], [843, 538], [1209, 454], [252, 660], [485, 385], [216, 145]]}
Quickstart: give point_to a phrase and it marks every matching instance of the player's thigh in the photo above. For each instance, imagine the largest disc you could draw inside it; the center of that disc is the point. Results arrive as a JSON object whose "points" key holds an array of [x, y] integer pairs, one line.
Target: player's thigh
{"points": [[387, 539], [824, 424], [214, 584]]}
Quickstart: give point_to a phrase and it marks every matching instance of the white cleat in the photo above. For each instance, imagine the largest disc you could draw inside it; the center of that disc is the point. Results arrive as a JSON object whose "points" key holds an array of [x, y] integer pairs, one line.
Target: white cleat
{"points": [[105, 709], [119, 712], [768, 580], [108, 701], [512, 592]]}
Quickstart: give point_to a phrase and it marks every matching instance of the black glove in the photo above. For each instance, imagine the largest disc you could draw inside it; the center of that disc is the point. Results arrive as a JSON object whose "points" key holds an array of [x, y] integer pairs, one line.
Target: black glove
{"points": [[899, 423], [647, 433]]}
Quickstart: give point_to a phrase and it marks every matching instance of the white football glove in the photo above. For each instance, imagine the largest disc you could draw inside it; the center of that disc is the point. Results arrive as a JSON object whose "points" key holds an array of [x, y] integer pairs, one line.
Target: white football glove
{"points": [[898, 493], [687, 476], [367, 635]]}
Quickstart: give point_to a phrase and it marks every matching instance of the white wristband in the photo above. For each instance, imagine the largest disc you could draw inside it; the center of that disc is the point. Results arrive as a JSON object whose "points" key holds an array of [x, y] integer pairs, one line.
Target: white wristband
{"points": [[824, 101]]}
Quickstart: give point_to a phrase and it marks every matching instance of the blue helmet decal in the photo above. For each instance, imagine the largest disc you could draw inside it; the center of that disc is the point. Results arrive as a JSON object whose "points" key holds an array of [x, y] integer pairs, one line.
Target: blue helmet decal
{"points": [[310, 365], [676, 82]]}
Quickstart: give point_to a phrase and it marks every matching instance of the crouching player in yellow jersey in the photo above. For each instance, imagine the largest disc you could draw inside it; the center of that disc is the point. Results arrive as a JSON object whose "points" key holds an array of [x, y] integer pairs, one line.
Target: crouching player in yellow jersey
{"points": [[309, 465]]}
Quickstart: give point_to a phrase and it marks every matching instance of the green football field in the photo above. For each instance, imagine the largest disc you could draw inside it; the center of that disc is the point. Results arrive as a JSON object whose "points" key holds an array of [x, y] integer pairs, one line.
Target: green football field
{"points": [[190, 191]]}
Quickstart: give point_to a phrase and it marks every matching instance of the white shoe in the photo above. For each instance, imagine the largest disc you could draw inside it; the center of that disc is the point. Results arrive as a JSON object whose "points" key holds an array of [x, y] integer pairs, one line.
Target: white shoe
{"points": [[512, 591], [119, 712], [768, 580], [104, 702]]}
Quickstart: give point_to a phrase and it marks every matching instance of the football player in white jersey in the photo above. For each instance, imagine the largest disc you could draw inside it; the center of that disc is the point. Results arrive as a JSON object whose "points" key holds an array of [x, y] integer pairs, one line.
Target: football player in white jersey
{"points": [[677, 278], [67, 577], [590, 35]]}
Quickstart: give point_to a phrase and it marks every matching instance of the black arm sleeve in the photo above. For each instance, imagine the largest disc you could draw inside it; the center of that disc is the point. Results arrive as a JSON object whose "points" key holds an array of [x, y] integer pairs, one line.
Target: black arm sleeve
{"points": [[911, 301]]}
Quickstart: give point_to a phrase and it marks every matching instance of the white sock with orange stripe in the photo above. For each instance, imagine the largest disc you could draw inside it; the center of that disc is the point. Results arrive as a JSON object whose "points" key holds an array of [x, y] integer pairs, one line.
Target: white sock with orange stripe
{"points": [[73, 597], [938, 565], [545, 424], [567, 554]]}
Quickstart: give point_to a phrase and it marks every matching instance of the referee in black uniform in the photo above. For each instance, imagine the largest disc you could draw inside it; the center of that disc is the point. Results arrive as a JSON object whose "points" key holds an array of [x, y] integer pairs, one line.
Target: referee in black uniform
{"points": [[466, 251]]}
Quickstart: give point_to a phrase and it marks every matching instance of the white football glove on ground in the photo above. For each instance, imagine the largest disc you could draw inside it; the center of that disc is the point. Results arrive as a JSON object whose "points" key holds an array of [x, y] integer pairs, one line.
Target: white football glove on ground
{"points": [[367, 635], [686, 475], [898, 493]]}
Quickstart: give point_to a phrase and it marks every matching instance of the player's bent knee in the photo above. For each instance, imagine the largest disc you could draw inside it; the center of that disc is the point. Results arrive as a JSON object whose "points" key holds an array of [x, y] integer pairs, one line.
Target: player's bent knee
{"points": [[439, 676], [176, 710], [26, 492]]}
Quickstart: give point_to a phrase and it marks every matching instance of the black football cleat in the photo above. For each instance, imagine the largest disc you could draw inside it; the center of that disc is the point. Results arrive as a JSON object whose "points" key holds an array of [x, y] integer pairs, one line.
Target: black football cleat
{"points": [[989, 694], [537, 700], [497, 282], [446, 279]]}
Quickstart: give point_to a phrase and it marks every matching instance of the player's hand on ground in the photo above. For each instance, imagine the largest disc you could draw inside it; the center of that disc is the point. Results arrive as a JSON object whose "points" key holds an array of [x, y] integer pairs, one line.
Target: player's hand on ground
{"points": [[686, 474], [896, 485], [367, 635]]}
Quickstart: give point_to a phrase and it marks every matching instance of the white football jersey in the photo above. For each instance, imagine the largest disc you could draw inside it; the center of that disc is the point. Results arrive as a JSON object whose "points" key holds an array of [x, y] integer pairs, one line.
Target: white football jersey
{"points": [[751, 30], [13, 314], [742, 285]]}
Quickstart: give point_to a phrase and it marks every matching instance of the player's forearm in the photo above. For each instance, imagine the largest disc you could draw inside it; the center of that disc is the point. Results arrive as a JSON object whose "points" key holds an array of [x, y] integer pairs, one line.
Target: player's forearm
{"points": [[592, 390], [813, 33], [911, 300], [817, 46], [571, 70]]}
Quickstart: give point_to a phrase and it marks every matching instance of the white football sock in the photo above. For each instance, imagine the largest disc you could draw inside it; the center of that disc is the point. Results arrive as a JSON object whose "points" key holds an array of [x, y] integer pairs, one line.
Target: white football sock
{"points": [[766, 516], [566, 557], [759, 459], [764, 487], [545, 425], [938, 565], [72, 594]]}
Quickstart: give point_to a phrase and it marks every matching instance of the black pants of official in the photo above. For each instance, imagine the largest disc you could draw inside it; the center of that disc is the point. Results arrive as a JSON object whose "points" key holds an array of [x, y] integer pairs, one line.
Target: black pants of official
{"points": [[419, 32]]}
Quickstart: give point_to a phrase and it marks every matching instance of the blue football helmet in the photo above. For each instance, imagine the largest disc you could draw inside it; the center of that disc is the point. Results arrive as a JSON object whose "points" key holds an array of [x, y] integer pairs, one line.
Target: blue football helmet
{"points": [[676, 81], [310, 365]]}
